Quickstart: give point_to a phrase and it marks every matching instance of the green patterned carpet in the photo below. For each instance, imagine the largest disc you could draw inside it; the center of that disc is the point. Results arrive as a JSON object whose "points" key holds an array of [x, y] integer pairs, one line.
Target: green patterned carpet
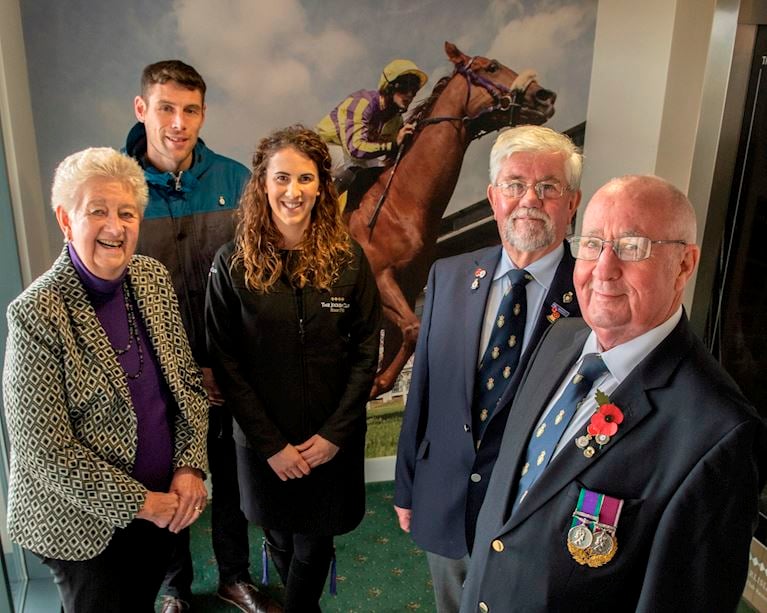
{"points": [[380, 570]]}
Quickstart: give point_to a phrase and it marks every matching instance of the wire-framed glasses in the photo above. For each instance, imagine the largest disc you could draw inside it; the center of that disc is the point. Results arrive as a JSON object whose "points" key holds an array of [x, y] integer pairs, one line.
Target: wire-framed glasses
{"points": [[545, 190], [627, 248]]}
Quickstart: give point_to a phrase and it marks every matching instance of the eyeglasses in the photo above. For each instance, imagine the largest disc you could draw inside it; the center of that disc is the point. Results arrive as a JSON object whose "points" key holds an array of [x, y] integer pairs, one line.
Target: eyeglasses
{"points": [[627, 248], [545, 190]]}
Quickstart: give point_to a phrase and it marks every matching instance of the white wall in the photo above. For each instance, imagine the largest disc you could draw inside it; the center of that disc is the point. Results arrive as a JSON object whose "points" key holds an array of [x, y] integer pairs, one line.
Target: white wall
{"points": [[27, 200], [659, 81], [646, 88]]}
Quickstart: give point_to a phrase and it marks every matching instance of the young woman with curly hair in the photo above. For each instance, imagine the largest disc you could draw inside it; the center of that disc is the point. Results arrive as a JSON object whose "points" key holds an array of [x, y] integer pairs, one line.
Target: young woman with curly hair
{"points": [[293, 319]]}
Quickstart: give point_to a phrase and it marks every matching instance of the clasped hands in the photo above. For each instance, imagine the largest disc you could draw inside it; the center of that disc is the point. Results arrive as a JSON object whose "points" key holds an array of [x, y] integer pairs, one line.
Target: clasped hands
{"points": [[296, 461], [181, 505]]}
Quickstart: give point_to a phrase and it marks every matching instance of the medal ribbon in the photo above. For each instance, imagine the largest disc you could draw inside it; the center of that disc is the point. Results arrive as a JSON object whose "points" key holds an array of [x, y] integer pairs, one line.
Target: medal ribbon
{"points": [[611, 512], [605, 510], [589, 504]]}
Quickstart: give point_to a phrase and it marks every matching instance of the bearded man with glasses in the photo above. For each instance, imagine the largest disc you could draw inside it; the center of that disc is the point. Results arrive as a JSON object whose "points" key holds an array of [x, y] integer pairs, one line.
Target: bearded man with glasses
{"points": [[484, 314], [629, 472]]}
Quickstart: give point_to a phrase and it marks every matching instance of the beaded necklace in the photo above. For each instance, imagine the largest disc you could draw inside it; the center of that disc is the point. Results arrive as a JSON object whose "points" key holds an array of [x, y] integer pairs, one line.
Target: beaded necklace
{"points": [[132, 333]]}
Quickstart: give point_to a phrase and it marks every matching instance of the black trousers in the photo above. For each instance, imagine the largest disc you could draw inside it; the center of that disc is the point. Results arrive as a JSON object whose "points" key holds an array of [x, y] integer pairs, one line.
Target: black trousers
{"points": [[228, 525], [124, 578], [302, 561]]}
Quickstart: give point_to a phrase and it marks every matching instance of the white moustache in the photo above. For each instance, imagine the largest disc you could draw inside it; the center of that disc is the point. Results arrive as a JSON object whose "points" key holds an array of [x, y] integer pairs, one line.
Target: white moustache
{"points": [[530, 213]]}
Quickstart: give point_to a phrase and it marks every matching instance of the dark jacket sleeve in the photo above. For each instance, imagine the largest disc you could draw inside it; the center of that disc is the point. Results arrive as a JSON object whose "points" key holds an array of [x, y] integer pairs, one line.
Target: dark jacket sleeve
{"points": [[222, 319], [719, 536], [417, 408], [365, 335]]}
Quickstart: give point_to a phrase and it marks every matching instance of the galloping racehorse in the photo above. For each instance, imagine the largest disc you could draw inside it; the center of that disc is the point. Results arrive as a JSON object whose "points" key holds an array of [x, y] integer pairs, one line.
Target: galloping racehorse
{"points": [[399, 230]]}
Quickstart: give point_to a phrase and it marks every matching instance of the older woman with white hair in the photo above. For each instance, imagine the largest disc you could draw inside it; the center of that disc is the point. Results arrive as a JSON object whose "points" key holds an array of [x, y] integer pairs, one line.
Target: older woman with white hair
{"points": [[105, 407]]}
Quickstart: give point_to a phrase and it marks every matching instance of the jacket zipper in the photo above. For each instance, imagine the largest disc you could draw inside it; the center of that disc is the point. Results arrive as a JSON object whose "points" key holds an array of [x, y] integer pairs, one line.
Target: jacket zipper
{"points": [[178, 179], [300, 308], [305, 422]]}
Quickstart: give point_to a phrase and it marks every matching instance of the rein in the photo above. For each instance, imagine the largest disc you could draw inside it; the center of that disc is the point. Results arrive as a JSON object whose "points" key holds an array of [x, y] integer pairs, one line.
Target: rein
{"points": [[505, 99]]}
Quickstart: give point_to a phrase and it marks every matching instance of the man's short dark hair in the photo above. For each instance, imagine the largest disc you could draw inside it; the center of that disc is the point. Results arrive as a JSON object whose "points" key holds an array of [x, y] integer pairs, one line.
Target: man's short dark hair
{"points": [[171, 70]]}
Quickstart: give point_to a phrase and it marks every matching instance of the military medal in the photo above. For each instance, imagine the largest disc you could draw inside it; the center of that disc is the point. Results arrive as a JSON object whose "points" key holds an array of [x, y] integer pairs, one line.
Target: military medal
{"points": [[579, 537], [591, 539]]}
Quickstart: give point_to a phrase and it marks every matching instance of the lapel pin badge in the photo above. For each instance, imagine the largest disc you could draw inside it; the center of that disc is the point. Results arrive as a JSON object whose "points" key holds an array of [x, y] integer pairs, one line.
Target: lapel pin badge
{"points": [[557, 311], [567, 297], [480, 273]]}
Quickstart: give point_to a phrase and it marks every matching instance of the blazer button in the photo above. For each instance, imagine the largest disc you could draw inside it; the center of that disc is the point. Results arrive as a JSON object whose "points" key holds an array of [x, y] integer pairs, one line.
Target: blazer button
{"points": [[476, 477], [466, 428], [498, 545], [483, 607]]}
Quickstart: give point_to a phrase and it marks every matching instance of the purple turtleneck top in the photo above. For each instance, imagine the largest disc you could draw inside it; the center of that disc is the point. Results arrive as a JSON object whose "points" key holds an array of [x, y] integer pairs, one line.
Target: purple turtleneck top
{"points": [[152, 401]]}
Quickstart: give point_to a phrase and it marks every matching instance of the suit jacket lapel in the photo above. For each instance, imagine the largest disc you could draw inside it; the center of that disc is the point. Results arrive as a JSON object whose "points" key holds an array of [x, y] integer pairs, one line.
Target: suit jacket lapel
{"points": [[88, 330], [475, 300], [631, 397]]}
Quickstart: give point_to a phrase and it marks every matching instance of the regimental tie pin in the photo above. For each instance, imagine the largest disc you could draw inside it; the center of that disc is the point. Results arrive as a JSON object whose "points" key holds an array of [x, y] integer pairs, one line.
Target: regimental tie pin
{"points": [[478, 274]]}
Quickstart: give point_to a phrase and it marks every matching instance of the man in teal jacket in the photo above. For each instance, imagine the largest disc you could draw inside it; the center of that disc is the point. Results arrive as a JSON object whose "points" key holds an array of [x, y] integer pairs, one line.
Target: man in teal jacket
{"points": [[193, 194]]}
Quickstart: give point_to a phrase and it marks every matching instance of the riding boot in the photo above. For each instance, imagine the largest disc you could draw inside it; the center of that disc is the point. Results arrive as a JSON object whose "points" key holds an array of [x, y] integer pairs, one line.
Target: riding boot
{"points": [[282, 559], [304, 588]]}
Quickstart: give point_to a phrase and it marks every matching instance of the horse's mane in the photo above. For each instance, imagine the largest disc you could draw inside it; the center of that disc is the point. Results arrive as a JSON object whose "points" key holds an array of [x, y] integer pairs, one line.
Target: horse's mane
{"points": [[424, 107]]}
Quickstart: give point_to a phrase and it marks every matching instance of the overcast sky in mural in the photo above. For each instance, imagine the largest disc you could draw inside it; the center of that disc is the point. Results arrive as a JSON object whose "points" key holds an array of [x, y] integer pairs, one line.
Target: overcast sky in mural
{"points": [[268, 64]]}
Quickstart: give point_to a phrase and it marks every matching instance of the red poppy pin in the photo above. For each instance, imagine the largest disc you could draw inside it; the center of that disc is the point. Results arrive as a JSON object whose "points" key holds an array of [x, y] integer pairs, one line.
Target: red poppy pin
{"points": [[603, 425]]}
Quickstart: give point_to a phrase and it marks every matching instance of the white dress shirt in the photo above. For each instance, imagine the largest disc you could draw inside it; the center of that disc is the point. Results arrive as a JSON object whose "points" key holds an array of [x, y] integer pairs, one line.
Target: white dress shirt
{"points": [[620, 361]]}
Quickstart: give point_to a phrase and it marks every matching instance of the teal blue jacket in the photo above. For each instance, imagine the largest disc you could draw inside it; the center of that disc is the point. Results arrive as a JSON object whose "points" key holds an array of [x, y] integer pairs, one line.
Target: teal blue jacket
{"points": [[189, 216]]}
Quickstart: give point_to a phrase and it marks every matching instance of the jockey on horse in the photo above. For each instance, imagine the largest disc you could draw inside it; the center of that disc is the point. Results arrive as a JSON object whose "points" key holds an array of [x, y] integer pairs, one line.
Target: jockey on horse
{"points": [[367, 125]]}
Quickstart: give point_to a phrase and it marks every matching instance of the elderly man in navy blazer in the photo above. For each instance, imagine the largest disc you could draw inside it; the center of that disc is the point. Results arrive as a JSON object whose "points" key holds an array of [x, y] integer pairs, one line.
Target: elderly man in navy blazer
{"points": [[484, 314], [630, 468]]}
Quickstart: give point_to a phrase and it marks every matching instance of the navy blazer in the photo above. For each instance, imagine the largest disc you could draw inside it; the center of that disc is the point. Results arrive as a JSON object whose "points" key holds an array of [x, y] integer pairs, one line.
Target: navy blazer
{"points": [[440, 475], [688, 462]]}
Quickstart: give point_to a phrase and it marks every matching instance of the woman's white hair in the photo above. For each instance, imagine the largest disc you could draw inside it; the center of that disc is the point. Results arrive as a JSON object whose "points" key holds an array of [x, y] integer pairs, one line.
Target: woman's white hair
{"points": [[537, 139], [92, 163]]}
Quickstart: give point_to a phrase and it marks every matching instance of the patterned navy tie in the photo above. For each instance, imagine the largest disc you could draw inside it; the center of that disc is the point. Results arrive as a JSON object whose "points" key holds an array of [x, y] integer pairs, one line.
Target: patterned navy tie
{"points": [[544, 440], [503, 350]]}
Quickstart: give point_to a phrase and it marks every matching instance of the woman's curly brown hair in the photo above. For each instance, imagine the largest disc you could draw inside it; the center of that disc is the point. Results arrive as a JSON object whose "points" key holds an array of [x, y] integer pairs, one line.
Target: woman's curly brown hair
{"points": [[326, 246]]}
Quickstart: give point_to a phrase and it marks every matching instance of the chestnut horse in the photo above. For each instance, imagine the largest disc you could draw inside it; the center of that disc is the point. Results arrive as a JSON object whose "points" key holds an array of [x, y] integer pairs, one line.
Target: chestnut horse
{"points": [[398, 218]]}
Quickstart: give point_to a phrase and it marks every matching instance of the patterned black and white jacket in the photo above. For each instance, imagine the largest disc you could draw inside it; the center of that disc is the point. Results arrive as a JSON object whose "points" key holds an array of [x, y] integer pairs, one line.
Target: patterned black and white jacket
{"points": [[70, 419]]}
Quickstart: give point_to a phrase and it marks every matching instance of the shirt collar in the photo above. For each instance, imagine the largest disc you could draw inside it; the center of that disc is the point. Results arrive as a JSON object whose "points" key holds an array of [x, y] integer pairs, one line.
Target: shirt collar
{"points": [[623, 358], [543, 269]]}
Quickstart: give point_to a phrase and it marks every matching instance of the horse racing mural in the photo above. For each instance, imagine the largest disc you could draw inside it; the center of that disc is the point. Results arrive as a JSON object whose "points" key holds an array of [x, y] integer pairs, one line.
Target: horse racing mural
{"points": [[398, 218], [273, 64]]}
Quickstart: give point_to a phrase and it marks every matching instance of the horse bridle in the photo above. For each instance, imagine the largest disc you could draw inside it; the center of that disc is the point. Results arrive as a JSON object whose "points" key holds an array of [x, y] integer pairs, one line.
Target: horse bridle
{"points": [[505, 99]]}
